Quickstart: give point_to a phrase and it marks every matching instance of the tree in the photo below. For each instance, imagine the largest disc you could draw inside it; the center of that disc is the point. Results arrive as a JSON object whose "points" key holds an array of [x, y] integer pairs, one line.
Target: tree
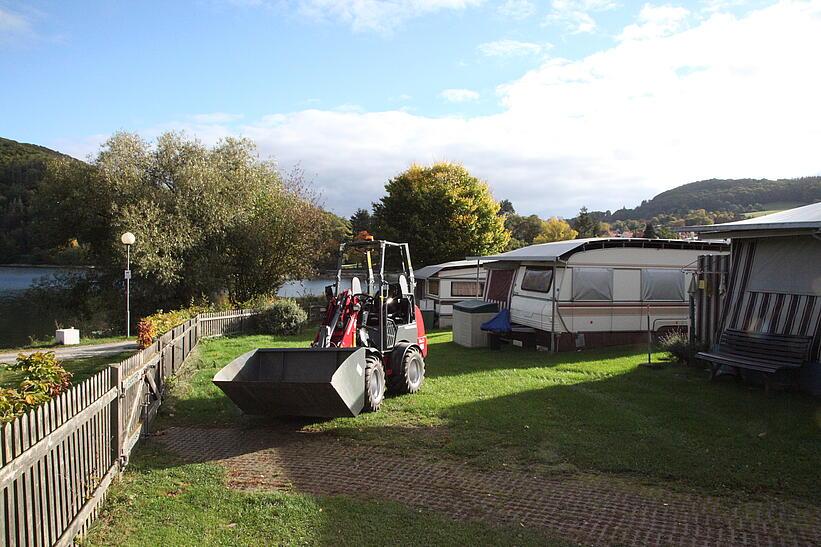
{"points": [[666, 233], [523, 229], [337, 229], [443, 212], [206, 219], [555, 229], [650, 231], [585, 225], [360, 221], [506, 207]]}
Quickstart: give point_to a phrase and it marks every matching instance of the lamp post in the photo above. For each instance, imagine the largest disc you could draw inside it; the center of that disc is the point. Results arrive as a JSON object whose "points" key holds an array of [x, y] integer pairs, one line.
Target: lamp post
{"points": [[128, 240]]}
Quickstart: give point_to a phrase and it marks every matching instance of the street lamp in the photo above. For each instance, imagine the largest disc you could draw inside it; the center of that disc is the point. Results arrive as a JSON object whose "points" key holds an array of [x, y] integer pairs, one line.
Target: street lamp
{"points": [[128, 240]]}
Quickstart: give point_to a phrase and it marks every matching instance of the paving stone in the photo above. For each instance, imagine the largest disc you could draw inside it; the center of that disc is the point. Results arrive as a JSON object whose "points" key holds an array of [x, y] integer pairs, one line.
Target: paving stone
{"points": [[588, 509]]}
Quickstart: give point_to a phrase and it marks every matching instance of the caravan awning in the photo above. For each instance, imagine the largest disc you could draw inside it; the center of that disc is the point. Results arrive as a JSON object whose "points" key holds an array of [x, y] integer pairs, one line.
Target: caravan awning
{"points": [[561, 250], [806, 218]]}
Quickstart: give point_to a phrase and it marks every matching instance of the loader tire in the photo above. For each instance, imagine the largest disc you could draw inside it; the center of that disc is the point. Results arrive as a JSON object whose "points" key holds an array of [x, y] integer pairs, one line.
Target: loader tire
{"points": [[374, 383], [411, 373]]}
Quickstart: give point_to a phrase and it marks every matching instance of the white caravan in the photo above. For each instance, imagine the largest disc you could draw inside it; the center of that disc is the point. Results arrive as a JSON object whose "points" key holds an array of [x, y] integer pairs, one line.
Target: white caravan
{"points": [[440, 286], [608, 289]]}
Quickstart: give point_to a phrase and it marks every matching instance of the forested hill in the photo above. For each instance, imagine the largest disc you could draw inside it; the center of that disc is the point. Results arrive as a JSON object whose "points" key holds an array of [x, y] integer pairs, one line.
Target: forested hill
{"points": [[22, 167], [734, 195]]}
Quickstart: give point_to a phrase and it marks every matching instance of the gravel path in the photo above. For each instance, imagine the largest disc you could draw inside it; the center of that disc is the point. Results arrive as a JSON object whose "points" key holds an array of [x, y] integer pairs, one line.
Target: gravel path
{"points": [[76, 352]]}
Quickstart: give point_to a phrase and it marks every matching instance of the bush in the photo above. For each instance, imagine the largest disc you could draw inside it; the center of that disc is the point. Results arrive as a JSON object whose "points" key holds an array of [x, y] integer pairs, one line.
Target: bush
{"points": [[43, 378], [146, 331], [283, 317], [676, 344], [161, 322]]}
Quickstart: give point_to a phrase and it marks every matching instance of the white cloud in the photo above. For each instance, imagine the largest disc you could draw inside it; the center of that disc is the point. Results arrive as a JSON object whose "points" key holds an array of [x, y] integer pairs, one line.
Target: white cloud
{"points": [[511, 48], [517, 9], [13, 25], [459, 95], [656, 21], [216, 117], [377, 15], [575, 15], [728, 97]]}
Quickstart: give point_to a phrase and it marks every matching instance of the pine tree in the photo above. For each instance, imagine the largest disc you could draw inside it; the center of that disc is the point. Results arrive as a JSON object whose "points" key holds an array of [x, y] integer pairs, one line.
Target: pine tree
{"points": [[650, 231], [585, 225]]}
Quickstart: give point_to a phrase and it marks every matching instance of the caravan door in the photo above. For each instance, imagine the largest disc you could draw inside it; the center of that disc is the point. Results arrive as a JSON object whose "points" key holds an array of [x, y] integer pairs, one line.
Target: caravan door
{"points": [[530, 304]]}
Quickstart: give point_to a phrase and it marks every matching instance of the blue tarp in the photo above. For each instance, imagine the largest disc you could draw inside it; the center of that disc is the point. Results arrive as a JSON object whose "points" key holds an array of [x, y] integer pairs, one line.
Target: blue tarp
{"points": [[499, 323]]}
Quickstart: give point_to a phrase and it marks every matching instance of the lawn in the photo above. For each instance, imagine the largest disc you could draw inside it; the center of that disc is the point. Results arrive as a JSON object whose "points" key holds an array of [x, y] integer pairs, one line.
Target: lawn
{"points": [[80, 368], [592, 412], [163, 502]]}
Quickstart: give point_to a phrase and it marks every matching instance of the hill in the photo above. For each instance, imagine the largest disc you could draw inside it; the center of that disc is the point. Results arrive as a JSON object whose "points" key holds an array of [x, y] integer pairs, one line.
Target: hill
{"points": [[22, 168], [727, 195]]}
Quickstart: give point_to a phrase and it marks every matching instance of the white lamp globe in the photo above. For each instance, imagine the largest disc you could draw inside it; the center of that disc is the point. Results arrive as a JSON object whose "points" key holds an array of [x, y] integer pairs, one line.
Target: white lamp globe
{"points": [[128, 238]]}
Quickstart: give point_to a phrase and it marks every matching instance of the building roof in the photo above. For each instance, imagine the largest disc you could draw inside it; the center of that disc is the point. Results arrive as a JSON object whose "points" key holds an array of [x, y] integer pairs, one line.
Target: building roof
{"points": [[548, 252], [430, 271], [807, 217]]}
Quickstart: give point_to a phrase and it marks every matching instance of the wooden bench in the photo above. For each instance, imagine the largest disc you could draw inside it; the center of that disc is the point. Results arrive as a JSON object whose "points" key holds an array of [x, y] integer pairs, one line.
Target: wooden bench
{"points": [[767, 353]]}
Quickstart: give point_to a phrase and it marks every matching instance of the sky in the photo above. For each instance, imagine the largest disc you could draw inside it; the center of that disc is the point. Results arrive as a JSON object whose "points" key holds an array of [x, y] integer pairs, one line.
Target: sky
{"points": [[556, 104]]}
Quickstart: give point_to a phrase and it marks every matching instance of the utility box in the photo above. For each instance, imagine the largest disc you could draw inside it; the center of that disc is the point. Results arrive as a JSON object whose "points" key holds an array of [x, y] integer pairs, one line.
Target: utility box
{"points": [[67, 337], [468, 317], [428, 318]]}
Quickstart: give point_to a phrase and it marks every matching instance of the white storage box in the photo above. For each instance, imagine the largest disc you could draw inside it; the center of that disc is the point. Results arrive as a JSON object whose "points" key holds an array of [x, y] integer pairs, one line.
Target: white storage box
{"points": [[468, 317], [67, 337]]}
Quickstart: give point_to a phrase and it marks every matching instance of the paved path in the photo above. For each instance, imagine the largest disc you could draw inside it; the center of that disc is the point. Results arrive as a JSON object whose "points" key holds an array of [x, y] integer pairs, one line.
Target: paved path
{"points": [[76, 352], [585, 508]]}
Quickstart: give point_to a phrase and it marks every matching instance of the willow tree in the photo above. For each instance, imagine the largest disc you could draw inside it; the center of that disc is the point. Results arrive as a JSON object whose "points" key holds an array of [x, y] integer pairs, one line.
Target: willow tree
{"points": [[443, 212], [208, 219]]}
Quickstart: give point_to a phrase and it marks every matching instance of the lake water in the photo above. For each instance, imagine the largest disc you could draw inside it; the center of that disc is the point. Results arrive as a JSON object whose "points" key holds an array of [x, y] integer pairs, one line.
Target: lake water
{"points": [[15, 279], [18, 321]]}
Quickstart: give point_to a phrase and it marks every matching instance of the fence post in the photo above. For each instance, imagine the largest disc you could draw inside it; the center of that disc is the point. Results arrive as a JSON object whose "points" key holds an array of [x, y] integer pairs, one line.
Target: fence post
{"points": [[117, 437]]}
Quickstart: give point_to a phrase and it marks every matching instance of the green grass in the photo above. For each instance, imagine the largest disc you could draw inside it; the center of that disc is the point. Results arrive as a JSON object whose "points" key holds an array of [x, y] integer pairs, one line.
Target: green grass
{"points": [[51, 344], [80, 368], [593, 411], [164, 502]]}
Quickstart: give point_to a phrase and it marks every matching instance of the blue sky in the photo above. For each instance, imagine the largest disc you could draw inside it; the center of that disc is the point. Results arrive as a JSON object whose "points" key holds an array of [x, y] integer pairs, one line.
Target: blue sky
{"points": [[556, 104]]}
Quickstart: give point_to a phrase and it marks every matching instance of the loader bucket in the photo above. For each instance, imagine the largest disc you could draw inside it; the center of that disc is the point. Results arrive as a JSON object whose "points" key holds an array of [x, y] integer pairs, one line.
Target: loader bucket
{"points": [[296, 382]]}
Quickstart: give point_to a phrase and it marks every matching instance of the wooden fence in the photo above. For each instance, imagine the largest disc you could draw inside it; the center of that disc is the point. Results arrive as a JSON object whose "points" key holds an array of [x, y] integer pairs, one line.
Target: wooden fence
{"points": [[58, 460], [712, 278]]}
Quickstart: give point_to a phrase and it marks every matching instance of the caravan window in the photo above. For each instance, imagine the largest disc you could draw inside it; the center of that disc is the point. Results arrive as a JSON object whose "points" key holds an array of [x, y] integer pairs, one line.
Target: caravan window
{"points": [[594, 284], [537, 279], [433, 286], [662, 285], [465, 288]]}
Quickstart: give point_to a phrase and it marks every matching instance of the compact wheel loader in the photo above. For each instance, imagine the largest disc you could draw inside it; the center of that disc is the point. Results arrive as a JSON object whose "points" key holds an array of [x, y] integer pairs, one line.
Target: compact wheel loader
{"points": [[372, 339]]}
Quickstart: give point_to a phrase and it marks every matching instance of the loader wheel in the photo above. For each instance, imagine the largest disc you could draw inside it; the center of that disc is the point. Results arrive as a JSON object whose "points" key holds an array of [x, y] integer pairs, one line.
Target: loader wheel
{"points": [[411, 374], [374, 383]]}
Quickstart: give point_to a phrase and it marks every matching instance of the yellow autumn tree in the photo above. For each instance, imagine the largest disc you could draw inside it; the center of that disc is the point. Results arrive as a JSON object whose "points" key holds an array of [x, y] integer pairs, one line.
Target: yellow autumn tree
{"points": [[555, 229]]}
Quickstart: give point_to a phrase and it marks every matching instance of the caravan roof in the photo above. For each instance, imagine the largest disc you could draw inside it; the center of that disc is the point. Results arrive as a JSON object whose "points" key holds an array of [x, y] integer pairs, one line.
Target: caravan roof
{"points": [[807, 217], [549, 252], [433, 269]]}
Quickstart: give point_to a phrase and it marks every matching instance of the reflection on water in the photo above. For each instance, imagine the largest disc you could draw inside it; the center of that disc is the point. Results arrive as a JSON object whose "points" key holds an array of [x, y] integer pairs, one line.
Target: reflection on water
{"points": [[305, 287], [19, 321]]}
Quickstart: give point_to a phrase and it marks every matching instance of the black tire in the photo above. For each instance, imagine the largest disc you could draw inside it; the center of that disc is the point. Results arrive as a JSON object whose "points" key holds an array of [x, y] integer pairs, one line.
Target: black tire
{"points": [[374, 383], [411, 374]]}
